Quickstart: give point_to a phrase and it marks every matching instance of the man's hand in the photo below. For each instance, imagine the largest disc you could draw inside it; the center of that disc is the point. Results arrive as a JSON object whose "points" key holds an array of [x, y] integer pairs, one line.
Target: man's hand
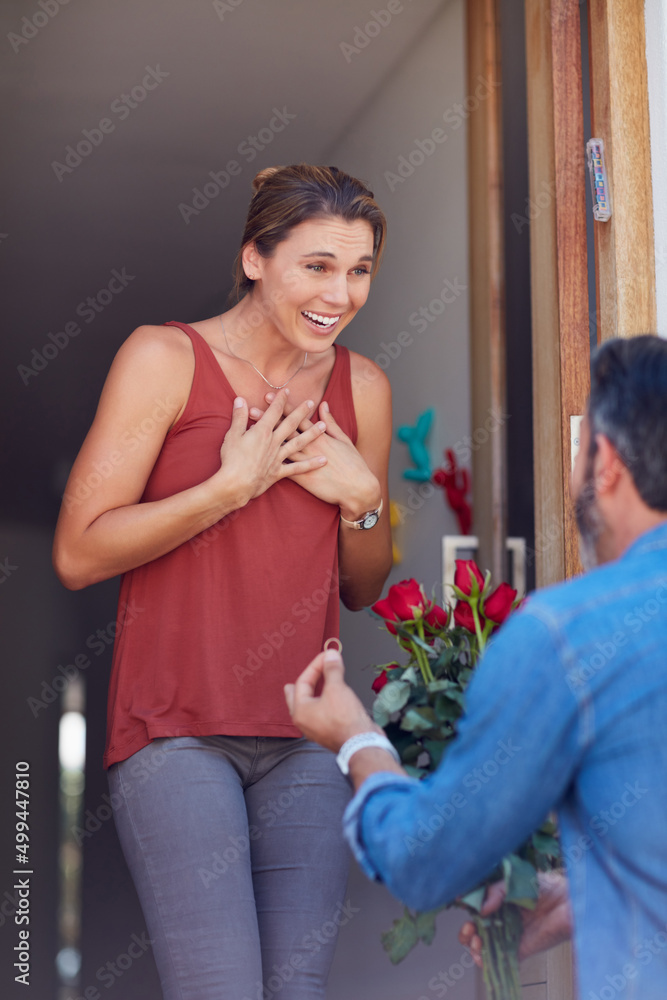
{"points": [[549, 924], [336, 714]]}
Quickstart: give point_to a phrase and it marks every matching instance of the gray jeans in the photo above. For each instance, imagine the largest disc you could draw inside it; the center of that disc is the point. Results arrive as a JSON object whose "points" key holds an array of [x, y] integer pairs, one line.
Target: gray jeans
{"points": [[234, 844]]}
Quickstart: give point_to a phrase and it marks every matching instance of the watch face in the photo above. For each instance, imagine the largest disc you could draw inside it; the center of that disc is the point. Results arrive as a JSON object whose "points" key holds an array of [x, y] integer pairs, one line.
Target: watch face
{"points": [[371, 520]]}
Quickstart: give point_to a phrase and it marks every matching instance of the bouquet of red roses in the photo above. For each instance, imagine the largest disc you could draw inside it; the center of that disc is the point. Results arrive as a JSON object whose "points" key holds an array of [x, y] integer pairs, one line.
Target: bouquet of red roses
{"points": [[418, 705]]}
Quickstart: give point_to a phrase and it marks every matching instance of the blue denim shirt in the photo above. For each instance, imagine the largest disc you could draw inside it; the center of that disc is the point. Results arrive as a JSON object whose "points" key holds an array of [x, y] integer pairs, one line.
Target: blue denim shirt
{"points": [[567, 710]]}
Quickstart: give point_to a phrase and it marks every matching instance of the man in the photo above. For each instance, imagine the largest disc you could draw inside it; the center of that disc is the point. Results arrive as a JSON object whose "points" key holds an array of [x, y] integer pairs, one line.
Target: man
{"points": [[569, 702]]}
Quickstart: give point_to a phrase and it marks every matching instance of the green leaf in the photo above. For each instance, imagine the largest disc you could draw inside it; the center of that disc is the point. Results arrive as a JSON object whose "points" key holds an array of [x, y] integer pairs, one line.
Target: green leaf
{"points": [[546, 844], [436, 749], [426, 926], [549, 826], [415, 772], [475, 898], [447, 710], [395, 673], [411, 675], [520, 881], [401, 939], [455, 693], [418, 720], [427, 647], [403, 631], [380, 714], [397, 736], [445, 656], [411, 753], [393, 696], [440, 685], [413, 639]]}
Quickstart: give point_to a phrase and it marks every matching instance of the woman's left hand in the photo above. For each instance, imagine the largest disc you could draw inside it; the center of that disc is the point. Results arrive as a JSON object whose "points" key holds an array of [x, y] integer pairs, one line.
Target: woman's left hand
{"points": [[346, 479], [355, 478]]}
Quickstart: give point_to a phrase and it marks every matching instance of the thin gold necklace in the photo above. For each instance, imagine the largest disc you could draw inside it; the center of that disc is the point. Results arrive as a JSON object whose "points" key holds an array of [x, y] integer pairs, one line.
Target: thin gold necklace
{"points": [[224, 333]]}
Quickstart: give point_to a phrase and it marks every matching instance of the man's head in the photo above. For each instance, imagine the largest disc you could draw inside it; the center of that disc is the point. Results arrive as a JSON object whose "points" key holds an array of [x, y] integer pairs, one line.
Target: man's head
{"points": [[619, 482]]}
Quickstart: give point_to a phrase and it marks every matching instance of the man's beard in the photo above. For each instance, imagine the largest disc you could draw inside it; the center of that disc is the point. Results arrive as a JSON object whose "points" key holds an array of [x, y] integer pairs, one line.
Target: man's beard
{"points": [[589, 520]]}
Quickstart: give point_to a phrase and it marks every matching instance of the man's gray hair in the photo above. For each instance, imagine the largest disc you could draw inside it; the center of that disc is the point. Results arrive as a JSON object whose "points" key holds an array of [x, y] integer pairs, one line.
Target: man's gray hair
{"points": [[628, 404]]}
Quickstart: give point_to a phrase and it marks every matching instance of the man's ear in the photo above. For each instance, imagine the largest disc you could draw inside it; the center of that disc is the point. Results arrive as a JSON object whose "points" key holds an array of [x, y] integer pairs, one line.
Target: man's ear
{"points": [[608, 469]]}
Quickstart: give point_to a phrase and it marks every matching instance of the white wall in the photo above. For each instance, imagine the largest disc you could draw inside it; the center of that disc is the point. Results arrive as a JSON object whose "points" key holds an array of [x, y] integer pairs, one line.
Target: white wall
{"points": [[656, 59], [427, 244]]}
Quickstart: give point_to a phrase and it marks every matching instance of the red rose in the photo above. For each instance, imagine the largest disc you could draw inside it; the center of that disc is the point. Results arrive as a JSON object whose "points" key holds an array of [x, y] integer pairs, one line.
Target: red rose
{"points": [[379, 682], [384, 609], [462, 578], [406, 600], [498, 605], [437, 617], [463, 616]]}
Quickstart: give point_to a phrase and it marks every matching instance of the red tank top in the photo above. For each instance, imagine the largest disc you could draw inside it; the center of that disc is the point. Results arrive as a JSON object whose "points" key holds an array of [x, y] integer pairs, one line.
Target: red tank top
{"points": [[210, 632]]}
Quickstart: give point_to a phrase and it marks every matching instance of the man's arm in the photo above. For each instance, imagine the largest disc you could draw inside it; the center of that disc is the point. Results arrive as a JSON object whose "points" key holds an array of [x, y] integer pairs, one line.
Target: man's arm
{"points": [[513, 758]]}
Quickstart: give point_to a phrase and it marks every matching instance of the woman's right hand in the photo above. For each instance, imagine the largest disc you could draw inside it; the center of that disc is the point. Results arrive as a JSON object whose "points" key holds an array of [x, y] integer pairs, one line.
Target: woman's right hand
{"points": [[104, 526], [254, 458]]}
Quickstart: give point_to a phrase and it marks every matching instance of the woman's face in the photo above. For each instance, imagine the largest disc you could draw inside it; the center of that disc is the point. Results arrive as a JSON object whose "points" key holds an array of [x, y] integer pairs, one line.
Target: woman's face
{"points": [[317, 280]]}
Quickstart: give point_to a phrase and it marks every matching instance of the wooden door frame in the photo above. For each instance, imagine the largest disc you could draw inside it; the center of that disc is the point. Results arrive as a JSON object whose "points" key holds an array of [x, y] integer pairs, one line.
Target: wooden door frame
{"points": [[624, 246], [559, 273], [487, 280], [624, 264]]}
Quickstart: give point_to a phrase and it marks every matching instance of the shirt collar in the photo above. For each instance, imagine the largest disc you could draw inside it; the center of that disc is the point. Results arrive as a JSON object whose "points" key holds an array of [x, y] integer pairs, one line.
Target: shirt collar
{"points": [[648, 541]]}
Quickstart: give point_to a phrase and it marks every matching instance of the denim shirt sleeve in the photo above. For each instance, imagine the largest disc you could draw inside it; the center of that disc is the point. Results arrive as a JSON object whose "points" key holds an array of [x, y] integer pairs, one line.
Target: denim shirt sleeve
{"points": [[399, 784], [514, 756]]}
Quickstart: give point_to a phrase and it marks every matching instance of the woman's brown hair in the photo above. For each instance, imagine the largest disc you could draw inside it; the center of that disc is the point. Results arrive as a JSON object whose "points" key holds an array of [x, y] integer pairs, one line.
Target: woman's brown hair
{"points": [[284, 197]]}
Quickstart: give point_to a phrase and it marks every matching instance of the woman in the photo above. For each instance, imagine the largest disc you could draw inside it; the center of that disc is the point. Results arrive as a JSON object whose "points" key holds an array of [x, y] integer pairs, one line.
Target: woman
{"points": [[237, 517]]}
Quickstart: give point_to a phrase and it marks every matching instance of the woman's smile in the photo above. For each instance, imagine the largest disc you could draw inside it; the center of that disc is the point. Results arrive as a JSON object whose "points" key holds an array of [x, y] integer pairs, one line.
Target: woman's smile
{"points": [[322, 323]]}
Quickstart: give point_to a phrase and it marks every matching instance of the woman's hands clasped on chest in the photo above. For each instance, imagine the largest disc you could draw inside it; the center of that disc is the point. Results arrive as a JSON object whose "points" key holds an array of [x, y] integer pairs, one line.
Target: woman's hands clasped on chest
{"points": [[254, 458], [345, 478]]}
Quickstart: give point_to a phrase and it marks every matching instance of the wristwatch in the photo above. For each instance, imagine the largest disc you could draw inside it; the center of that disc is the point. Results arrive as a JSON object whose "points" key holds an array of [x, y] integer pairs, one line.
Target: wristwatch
{"points": [[367, 520], [360, 742]]}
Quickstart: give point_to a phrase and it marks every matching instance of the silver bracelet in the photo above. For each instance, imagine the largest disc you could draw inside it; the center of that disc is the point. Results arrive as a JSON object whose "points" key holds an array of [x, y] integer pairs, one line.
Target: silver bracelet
{"points": [[360, 742]]}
